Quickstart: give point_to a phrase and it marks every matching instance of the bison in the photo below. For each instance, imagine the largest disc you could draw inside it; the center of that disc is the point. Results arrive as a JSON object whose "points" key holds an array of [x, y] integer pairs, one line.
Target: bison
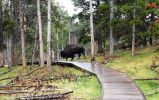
{"points": [[70, 50]]}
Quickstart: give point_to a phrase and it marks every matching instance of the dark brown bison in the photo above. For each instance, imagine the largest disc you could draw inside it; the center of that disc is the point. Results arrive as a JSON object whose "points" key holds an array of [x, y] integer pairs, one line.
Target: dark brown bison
{"points": [[70, 51]]}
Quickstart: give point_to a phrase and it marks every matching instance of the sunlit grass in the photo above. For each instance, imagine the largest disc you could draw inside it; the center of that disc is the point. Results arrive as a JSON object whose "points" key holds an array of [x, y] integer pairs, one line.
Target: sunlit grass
{"points": [[148, 87], [137, 67], [86, 87]]}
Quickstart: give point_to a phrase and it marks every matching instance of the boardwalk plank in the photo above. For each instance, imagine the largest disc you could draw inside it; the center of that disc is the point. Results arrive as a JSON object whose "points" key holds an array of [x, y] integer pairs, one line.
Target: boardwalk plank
{"points": [[115, 85]]}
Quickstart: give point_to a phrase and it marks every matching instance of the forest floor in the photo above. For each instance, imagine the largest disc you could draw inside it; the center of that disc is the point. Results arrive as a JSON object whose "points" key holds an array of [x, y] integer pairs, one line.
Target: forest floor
{"points": [[144, 65], [23, 82]]}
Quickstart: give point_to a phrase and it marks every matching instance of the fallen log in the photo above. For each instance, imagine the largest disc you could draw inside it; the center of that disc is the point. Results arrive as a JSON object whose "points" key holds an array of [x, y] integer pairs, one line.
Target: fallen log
{"points": [[47, 97], [147, 79], [16, 86], [23, 75], [6, 72], [6, 78], [13, 92]]}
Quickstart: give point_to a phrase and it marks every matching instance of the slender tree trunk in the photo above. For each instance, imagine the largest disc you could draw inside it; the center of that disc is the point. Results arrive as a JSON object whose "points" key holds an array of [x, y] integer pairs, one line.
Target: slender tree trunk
{"points": [[15, 18], [10, 40], [35, 46], [151, 40], [1, 35], [92, 33], [21, 7], [14, 54], [111, 39], [9, 51], [100, 38], [69, 35], [100, 44], [133, 35], [62, 42], [49, 36], [57, 44], [40, 34]]}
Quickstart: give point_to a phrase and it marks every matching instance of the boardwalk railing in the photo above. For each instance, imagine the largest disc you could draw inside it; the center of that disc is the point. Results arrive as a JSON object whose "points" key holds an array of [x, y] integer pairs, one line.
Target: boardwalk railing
{"points": [[115, 85]]}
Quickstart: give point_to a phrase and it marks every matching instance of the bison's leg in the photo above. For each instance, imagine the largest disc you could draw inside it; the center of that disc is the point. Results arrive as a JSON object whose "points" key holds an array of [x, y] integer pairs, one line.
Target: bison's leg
{"points": [[66, 58], [83, 54], [72, 57], [79, 55]]}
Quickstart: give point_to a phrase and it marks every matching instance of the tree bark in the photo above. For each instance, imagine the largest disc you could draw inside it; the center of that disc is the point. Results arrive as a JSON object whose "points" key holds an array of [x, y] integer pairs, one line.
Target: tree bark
{"points": [[92, 33], [133, 35], [35, 46], [111, 39], [100, 44], [21, 7], [40, 34], [69, 35], [49, 36], [15, 18], [9, 51], [14, 54], [57, 44], [1, 35]]}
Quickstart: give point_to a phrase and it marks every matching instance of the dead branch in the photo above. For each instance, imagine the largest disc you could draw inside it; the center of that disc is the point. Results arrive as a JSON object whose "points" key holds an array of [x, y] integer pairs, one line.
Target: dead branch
{"points": [[155, 70], [47, 97], [32, 72], [153, 92], [1, 87], [146, 79], [13, 92], [6, 72], [156, 50], [23, 75], [6, 78]]}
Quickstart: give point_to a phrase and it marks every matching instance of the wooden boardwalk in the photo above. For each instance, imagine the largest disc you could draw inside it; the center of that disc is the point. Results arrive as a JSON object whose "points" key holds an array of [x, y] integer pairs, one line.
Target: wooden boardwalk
{"points": [[115, 85]]}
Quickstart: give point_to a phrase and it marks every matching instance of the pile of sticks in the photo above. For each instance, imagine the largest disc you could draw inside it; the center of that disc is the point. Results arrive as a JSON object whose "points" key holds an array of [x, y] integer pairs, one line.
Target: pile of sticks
{"points": [[36, 84]]}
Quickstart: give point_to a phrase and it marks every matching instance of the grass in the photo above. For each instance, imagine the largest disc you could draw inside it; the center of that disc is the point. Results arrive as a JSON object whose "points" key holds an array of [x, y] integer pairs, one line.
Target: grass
{"points": [[86, 87], [136, 67]]}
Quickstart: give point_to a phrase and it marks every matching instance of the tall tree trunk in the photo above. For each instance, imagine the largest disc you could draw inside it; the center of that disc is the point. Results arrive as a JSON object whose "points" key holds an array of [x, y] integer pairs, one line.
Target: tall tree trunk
{"points": [[57, 44], [69, 35], [92, 33], [9, 51], [35, 46], [49, 36], [133, 35], [100, 38], [14, 54], [100, 43], [62, 46], [40, 34], [10, 40], [111, 39], [1, 35], [15, 18], [21, 7]]}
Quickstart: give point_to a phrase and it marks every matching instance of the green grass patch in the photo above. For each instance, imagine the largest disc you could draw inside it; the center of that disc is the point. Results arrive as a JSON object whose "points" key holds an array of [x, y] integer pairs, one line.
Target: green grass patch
{"points": [[85, 85], [149, 87], [136, 67]]}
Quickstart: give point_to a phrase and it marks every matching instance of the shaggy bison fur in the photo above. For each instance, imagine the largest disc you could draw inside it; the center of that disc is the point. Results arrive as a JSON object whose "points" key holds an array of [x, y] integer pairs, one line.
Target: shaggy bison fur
{"points": [[70, 50]]}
